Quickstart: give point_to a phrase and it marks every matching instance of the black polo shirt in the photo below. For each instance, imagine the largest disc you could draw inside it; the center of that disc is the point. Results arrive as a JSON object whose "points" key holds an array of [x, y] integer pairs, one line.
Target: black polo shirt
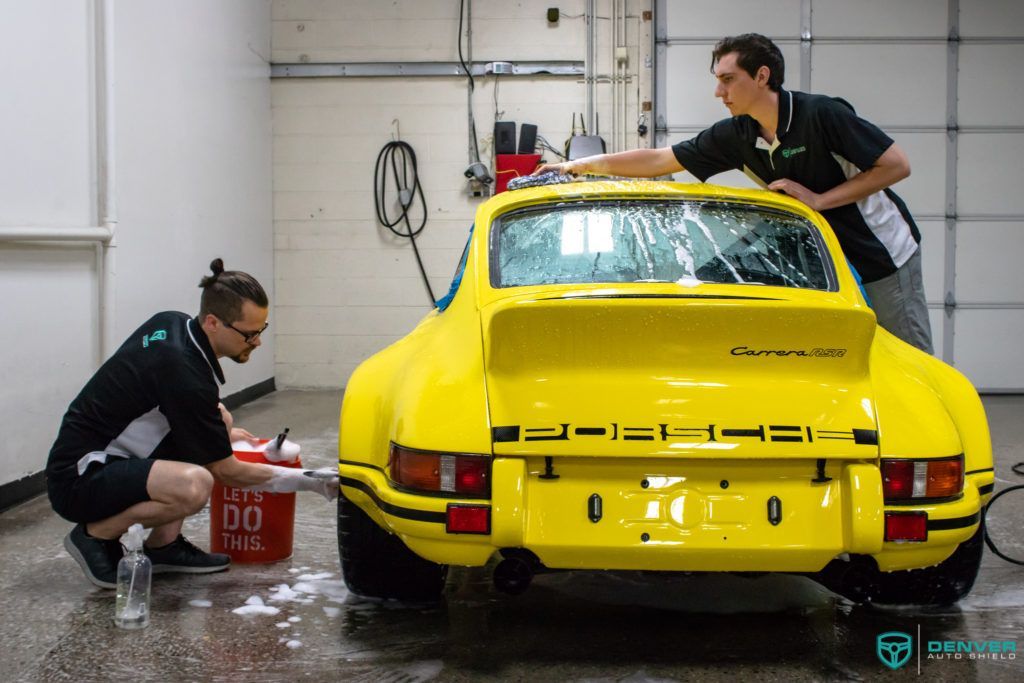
{"points": [[156, 397], [820, 143]]}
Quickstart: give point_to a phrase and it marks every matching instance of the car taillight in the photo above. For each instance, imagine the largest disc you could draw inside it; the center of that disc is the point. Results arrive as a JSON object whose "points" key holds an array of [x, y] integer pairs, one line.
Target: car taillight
{"points": [[910, 480], [433, 472], [906, 526]]}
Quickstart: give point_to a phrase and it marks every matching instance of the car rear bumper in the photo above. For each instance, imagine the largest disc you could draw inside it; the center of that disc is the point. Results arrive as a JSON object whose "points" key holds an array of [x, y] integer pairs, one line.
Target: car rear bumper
{"points": [[656, 514]]}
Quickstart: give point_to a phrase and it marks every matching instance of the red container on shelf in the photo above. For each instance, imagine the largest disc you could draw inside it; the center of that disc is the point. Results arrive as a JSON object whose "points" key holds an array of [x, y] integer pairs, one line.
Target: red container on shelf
{"points": [[509, 166], [252, 526]]}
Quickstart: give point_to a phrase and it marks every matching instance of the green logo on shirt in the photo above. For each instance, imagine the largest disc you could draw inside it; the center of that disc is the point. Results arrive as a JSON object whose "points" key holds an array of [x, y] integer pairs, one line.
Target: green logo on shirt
{"points": [[792, 151], [159, 335]]}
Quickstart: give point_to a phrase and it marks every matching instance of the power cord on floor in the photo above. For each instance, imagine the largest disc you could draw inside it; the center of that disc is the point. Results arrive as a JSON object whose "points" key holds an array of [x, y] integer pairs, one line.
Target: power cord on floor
{"points": [[401, 158], [1017, 469]]}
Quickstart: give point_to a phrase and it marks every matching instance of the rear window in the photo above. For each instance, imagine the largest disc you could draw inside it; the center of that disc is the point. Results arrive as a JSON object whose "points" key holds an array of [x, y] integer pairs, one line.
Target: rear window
{"points": [[670, 241]]}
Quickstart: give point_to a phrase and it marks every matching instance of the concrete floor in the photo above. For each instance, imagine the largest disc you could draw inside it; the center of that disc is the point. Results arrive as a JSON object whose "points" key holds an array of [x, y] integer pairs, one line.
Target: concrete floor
{"points": [[570, 626]]}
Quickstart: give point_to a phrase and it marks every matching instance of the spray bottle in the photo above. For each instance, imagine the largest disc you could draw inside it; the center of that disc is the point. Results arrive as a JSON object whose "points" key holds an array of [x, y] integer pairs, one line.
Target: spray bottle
{"points": [[134, 572]]}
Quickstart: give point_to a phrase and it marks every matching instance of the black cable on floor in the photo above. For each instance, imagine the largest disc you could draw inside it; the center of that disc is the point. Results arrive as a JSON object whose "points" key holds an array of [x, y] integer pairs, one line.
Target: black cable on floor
{"points": [[1017, 469], [401, 158]]}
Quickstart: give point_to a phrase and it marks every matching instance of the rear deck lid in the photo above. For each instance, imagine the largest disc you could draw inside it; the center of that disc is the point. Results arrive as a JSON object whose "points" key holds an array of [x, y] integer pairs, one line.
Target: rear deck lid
{"points": [[674, 328]]}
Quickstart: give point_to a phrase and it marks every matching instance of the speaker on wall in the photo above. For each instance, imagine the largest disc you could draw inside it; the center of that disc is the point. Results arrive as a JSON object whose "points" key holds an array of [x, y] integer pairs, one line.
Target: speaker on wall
{"points": [[504, 137], [527, 138]]}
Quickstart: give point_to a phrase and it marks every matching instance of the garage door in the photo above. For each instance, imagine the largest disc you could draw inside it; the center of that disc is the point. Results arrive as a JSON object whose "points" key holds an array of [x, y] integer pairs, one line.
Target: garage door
{"points": [[940, 77]]}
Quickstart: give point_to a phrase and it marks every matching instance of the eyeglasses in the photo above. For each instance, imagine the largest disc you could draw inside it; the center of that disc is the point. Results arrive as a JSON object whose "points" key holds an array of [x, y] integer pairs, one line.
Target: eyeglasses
{"points": [[250, 337]]}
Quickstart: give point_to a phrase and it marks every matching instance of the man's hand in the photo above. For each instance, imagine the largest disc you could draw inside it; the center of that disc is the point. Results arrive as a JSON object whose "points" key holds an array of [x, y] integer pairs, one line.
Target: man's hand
{"points": [[797, 191], [563, 168], [328, 481], [239, 434], [290, 479]]}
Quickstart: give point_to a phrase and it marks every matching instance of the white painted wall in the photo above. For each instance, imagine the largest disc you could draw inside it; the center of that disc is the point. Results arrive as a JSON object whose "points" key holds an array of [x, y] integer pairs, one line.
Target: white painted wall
{"points": [[347, 287], [193, 137]]}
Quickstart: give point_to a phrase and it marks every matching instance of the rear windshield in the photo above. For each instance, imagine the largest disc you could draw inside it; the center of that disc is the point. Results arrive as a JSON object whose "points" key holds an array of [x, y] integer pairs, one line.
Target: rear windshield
{"points": [[669, 241]]}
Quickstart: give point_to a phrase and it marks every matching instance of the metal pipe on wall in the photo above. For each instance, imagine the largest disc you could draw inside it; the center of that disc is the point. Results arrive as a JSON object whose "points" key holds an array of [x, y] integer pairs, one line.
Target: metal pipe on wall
{"points": [[471, 121], [591, 27], [106, 180], [613, 71], [621, 70]]}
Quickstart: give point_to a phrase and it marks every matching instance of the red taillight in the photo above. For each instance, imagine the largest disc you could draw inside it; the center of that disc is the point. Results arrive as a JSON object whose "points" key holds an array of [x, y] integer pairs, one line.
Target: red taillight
{"points": [[456, 473], [906, 526], [471, 474], [468, 519], [907, 480]]}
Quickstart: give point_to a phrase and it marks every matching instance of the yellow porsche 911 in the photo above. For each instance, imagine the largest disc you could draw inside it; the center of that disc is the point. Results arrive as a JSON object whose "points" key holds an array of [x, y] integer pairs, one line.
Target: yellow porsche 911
{"points": [[659, 376]]}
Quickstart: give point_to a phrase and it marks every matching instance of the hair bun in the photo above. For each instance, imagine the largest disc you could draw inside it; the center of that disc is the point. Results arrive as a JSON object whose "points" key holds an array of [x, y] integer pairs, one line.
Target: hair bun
{"points": [[217, 266]]}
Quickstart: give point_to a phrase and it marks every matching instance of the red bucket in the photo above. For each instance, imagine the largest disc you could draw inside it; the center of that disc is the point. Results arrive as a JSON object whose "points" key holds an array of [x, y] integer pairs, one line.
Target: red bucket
{"points": [[509, 166], [252, 526]]}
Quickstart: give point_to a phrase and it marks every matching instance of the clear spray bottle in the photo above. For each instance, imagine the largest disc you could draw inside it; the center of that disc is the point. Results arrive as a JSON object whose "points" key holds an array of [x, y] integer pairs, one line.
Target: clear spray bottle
{"points": [[134, 572]]}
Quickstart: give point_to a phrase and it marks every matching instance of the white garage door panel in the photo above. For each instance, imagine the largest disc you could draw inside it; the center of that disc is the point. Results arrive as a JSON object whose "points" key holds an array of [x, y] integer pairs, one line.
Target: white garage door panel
{"points": [[991, 18], [911, 89], [690, 85], [875, 18], [988, 263], [925, 190], [988, 347], [989, 80], [990, 174], [705, 18], [933, 259]]}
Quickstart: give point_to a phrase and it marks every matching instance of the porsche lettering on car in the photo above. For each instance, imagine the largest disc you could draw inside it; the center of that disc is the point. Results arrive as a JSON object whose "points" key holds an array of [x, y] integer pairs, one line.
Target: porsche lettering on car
{"points": [[659, 376]]}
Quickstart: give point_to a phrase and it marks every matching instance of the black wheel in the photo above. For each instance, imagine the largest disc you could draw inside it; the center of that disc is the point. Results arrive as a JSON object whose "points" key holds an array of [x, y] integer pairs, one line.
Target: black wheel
{"points": [[943, 584], [377, 564]]}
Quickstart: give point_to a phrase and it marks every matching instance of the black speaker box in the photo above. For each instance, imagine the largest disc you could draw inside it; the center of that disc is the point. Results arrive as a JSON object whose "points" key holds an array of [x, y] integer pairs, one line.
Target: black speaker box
{"points": [[504, 137], [527, 138]]}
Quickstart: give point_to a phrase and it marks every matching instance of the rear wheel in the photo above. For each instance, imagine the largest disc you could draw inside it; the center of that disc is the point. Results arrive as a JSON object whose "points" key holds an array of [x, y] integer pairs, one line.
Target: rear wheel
{"points": [[943, 584], [377, 564]]}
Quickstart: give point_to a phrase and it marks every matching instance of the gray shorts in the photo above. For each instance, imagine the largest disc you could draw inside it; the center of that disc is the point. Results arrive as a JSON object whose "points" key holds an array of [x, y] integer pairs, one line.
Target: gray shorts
{"points": [[899, 304]]}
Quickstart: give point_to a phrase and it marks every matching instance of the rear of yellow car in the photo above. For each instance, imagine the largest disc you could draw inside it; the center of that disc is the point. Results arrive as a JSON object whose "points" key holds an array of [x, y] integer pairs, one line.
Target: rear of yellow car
{"points": [[653, 380]]}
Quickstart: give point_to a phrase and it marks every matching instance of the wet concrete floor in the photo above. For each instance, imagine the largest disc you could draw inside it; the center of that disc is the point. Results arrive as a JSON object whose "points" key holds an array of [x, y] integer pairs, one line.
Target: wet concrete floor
{"points": [[571, 626]]}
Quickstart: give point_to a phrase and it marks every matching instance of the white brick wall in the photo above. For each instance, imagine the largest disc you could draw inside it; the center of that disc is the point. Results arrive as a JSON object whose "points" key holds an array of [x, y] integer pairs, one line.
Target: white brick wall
{"points": [[346, 286]]}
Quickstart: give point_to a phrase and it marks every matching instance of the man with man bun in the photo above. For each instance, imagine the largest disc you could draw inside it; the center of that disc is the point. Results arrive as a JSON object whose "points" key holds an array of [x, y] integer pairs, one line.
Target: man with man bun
{"points": [[145, 439]]}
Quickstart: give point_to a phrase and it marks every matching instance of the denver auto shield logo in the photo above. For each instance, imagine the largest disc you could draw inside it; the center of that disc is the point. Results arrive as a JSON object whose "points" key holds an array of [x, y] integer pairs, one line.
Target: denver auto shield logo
{"points": [[894, 648]]}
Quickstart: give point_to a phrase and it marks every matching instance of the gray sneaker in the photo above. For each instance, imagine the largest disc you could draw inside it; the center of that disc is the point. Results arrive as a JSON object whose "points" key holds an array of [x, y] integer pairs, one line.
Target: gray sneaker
{"points": [[97, 557], [181, 556]]}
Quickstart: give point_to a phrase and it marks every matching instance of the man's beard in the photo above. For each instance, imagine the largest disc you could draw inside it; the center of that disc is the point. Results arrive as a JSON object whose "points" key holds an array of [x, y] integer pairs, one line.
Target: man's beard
{"points": [[242, 357]]}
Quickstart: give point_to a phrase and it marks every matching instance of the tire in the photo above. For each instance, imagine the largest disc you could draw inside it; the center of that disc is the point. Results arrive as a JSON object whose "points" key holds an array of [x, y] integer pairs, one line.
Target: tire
{"points": [[941, 585], [376, 564]]}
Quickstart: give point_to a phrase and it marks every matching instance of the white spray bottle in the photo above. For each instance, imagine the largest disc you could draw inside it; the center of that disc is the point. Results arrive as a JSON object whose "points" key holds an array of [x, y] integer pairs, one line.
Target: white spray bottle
{"points": [[134, 573]]}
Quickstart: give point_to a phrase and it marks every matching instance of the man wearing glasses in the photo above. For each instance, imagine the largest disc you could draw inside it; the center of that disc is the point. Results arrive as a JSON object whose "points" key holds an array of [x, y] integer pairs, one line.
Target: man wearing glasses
{"points": [[145, 439]]}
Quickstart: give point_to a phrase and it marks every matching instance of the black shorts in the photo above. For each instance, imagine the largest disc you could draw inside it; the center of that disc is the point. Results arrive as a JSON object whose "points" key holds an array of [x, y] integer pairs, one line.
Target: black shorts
{"points": [[102, 491]]}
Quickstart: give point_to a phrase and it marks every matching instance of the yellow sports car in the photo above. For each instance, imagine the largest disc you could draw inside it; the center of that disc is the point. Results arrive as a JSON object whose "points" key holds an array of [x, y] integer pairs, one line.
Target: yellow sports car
{"points": [[659, 376]]}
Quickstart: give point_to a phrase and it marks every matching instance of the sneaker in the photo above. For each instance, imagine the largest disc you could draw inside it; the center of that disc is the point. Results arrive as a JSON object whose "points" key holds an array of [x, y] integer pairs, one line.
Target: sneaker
{"points": [[97, 557], [181, 556]]}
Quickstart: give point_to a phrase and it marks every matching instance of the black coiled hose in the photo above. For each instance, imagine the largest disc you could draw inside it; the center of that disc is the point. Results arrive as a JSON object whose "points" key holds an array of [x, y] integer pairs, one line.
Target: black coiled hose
{"points": [[1017, 469], [401, 158]]}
